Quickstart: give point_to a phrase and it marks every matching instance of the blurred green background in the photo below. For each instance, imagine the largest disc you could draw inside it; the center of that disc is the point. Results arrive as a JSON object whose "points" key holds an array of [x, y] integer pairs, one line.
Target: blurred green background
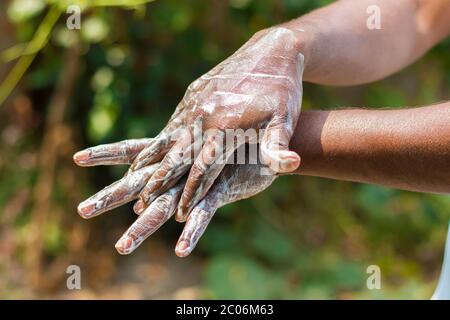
{"points": [[121, 77]]}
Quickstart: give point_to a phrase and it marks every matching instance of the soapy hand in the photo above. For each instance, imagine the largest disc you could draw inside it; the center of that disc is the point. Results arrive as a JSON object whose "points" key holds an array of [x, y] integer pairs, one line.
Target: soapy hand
{"points": [[235, 182], [258, 87]]}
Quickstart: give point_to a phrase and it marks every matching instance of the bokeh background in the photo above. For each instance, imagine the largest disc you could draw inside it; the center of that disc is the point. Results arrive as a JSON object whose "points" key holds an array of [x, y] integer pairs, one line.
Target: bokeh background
{"points": [[120, 77]]}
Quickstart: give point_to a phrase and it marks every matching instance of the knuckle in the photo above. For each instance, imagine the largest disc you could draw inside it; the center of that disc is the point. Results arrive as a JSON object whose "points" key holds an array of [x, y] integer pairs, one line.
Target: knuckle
{"points": [[165, 202], [172, 159], [197, 171], [194, 85], [189, 190], [144, 195]]}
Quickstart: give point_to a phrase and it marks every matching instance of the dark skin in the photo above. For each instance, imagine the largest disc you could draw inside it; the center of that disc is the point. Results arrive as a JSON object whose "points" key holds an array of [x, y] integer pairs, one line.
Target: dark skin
{"points": [[260, 87], [406, 149], [361, 55]]}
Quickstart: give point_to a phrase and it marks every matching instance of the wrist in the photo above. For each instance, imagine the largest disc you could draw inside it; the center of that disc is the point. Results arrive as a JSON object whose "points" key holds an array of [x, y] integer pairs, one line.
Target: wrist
{"points": [[306, 141], [303, 42], [294, 41]]}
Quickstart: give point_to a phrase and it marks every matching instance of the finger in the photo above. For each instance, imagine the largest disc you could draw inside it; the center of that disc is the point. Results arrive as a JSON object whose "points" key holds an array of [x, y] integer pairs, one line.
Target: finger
{"points": [[150, 220], [122, 152], [116, 194], [204, 171], [201, 215], [139, 206], [196, 224], [236, 182], [167, 138], [274, 148], [174, 165], [155, 151]]}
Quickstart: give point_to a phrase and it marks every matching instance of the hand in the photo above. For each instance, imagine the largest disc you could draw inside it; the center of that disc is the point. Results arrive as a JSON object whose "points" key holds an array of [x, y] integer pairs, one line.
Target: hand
{"points": [[258, 87], [238, 181]]}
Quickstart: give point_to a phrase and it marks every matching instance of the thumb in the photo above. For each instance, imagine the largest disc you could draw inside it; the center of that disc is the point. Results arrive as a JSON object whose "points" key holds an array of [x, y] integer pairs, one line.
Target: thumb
{"points": [[274, 148]]}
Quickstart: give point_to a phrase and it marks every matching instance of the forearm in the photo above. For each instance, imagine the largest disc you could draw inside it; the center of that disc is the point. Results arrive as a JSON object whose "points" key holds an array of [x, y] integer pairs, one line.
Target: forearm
{"points": [[341, 50], [407, 149]]}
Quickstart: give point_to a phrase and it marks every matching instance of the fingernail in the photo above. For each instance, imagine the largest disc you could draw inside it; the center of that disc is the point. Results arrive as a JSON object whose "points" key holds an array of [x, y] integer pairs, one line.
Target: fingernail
{"points": [[124, 245], [180, 216], [81, 156], [86, 209], [139, 207], [182, 249], [289, 161]]}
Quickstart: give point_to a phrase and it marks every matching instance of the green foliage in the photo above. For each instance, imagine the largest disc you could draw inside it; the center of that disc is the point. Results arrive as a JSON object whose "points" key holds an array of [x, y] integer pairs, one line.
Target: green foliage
{"points": [[302, 238]]}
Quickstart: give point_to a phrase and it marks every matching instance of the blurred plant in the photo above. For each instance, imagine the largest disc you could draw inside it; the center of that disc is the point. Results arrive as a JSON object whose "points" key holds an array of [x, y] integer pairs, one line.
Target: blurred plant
{"points": [[303, 238], [22, 10]]}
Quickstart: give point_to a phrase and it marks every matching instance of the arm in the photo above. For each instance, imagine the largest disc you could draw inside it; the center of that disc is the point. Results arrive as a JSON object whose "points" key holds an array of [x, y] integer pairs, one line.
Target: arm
{"points": [[260, 86], [340, 49], [407, 149]]}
